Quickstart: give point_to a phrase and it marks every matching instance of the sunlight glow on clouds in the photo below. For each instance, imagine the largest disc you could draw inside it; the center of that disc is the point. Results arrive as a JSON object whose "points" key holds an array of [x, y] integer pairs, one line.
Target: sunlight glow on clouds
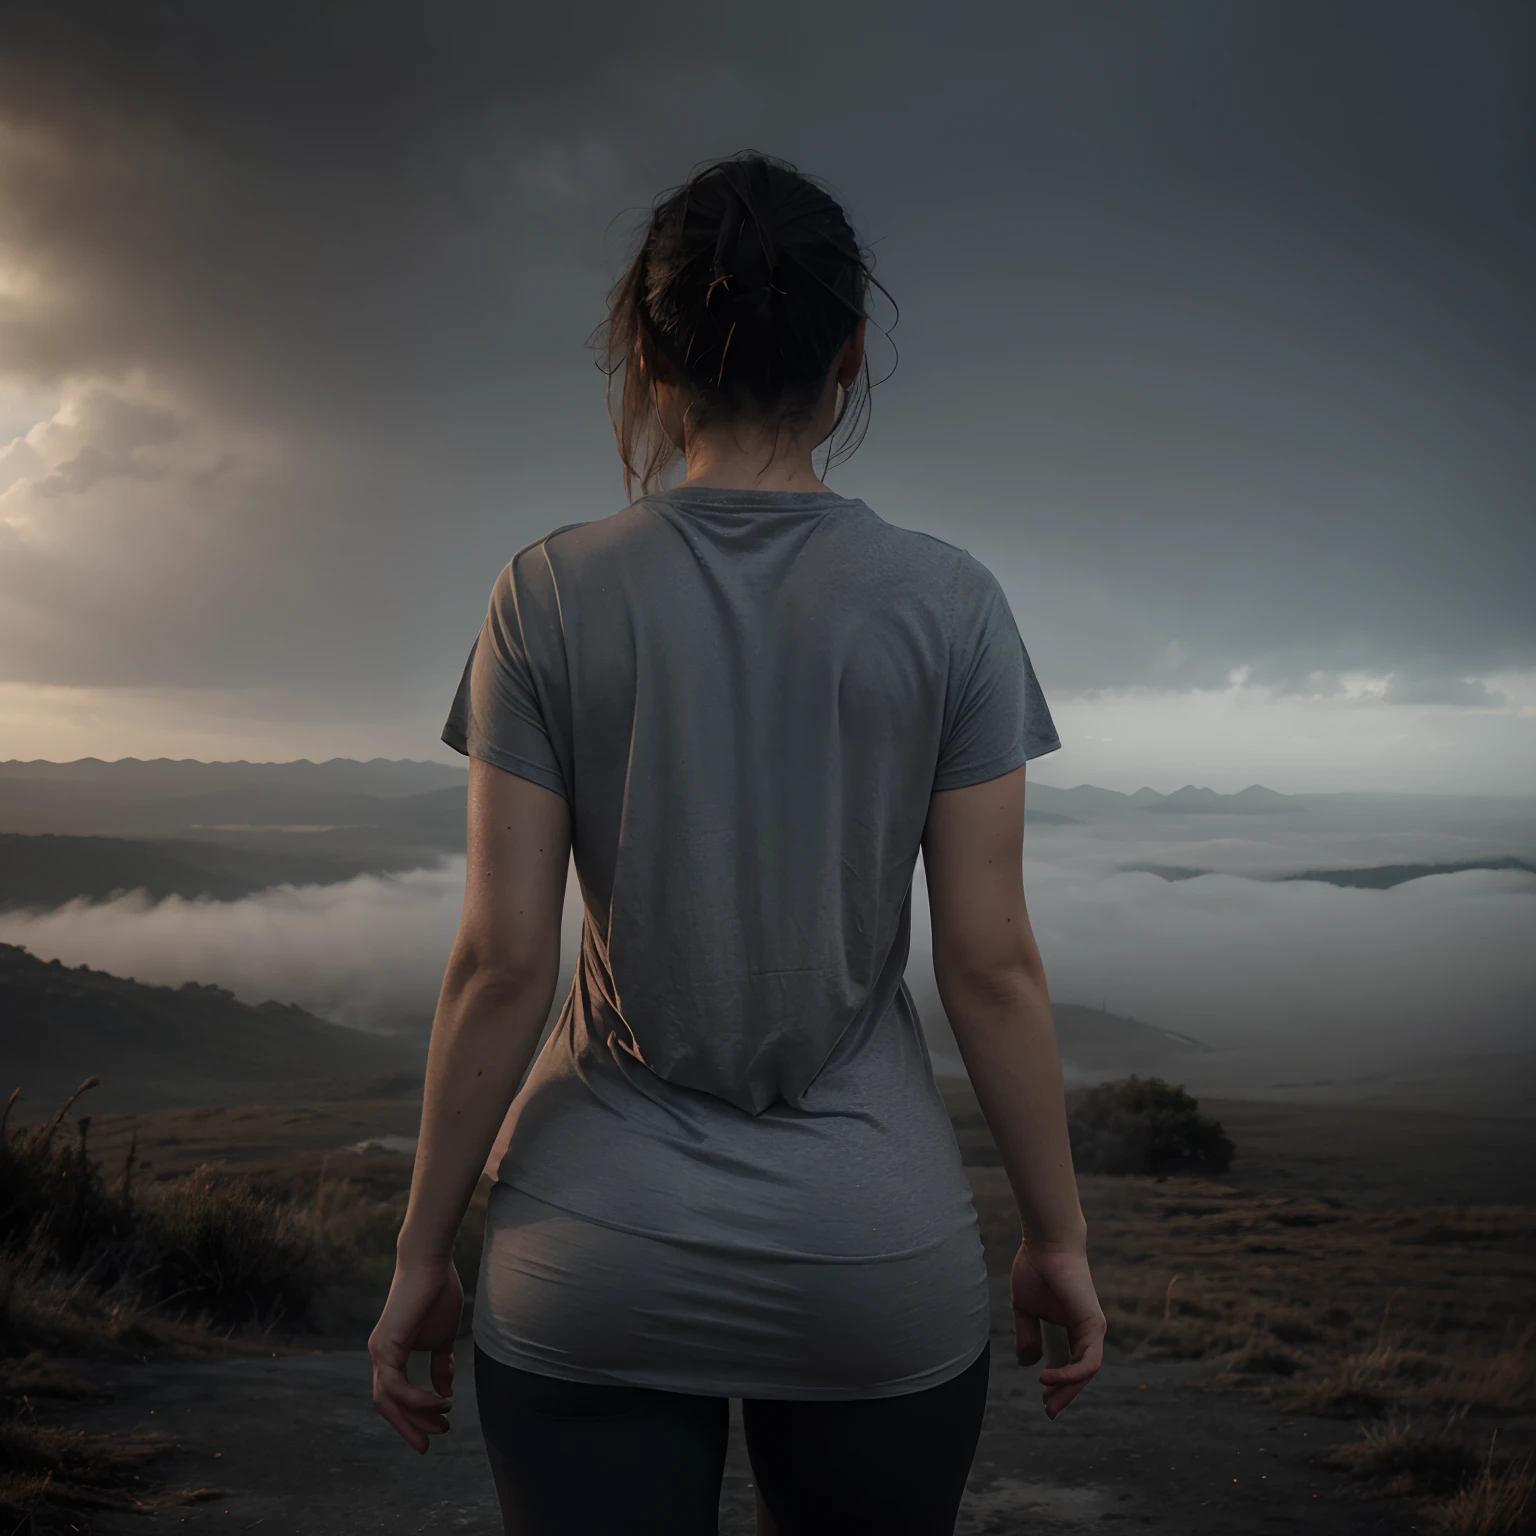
{"points": [[281, 392]]}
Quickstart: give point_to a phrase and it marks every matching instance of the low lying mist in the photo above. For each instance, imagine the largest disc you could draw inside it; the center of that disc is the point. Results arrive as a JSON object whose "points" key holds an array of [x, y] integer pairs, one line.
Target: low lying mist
{"points": [[1313, 976], [368, 952]]}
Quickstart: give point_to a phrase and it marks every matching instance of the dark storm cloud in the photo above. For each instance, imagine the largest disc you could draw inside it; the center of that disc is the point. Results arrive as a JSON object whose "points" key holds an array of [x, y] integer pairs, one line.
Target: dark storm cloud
{"points": [[1217, 334]]}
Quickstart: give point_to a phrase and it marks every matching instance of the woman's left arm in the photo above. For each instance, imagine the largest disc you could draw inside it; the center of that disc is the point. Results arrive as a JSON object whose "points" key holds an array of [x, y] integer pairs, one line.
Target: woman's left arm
{"points": [[495, 998]]}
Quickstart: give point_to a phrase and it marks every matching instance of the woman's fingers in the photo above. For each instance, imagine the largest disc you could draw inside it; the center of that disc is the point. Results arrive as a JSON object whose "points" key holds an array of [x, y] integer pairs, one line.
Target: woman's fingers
{"points": [[1082, 1370], [412, 1411], [1063, 1382], [415, 1428], [416, 1399], [1057, 1399]]}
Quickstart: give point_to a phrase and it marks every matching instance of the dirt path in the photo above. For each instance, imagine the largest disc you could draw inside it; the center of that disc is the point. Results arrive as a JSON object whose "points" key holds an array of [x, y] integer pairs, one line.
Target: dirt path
{"points": [[293, 1445]]}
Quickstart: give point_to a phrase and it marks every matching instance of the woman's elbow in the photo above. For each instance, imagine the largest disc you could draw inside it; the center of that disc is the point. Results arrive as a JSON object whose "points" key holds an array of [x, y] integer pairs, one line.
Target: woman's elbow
{"points": [[503, 973], [1005, 975]]}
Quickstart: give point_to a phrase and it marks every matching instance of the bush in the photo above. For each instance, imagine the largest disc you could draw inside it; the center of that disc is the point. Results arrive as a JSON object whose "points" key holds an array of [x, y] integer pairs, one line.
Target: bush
{"points": [[52, 1196], [218, 1248], [1144, 1125], [205, 1247]]}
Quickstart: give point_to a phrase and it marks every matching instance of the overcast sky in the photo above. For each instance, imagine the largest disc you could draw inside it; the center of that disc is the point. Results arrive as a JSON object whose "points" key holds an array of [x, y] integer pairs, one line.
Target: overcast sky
{"points": [[1217, 342]]}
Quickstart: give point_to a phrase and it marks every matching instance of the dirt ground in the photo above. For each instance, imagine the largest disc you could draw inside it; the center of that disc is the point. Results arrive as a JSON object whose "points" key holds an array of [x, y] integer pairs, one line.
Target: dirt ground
{"points": [[1392, 1242], [292, 1444]]}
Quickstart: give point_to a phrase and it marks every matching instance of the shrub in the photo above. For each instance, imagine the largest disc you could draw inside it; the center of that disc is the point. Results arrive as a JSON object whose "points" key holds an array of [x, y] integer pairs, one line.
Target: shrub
{"points": [[1144, 1125], [216, 1247], [52, 1196], [80, 1258]]}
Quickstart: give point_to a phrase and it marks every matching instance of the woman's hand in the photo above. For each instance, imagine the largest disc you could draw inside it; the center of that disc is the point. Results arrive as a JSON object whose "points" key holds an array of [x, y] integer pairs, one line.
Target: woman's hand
{"points": [[425, 1304], [1053, 1284]]}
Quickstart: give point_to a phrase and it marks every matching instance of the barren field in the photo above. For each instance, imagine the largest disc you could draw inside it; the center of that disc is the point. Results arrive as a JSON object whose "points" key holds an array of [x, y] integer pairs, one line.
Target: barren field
{"points": [[1357, 1268]]}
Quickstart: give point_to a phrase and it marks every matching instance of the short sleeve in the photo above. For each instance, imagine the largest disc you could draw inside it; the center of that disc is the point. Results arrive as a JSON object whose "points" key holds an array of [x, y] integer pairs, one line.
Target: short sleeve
{"points": [[497, 713], [996, 717]]}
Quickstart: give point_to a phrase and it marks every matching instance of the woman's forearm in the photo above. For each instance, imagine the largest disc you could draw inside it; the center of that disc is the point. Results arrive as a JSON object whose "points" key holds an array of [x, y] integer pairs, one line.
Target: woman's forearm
{"points": [[483, 1037], [1007, 1039]]}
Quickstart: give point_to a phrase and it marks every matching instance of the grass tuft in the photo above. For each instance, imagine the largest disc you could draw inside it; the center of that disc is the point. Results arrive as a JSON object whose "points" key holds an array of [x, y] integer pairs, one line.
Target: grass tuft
{"points": [[1410, 1457], [1498, 1501], [48, 1472]]}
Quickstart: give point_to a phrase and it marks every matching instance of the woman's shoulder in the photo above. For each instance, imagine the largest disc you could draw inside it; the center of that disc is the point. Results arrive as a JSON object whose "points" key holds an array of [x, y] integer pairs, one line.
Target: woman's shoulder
{"points": [[953, 570], [535, 558]]}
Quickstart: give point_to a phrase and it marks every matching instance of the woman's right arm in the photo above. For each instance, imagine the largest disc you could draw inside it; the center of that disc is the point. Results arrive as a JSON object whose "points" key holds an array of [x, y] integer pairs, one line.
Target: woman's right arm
{"points": [[992, 984]]}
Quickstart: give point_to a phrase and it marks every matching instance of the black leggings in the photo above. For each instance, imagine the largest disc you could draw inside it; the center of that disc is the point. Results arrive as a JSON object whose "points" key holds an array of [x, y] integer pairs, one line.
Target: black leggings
{"points": [[571, 1459]]}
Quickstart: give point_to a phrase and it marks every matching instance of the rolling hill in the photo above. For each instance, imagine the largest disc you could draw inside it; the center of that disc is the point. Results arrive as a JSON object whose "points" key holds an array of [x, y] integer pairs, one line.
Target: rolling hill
{"points": [[189, 1045]]}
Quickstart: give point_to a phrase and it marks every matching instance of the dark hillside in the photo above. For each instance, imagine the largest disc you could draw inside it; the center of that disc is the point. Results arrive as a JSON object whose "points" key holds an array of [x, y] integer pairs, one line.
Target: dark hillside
{"points": [[159, 1046]]}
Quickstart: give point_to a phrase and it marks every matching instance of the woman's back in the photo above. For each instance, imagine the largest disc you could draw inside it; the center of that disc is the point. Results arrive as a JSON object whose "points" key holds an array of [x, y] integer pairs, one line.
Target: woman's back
{"points": [[748, 699]]}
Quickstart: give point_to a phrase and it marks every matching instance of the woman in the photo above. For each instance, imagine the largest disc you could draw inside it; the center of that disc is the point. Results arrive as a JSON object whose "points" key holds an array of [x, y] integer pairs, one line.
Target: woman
{"points": [[744, 703]]}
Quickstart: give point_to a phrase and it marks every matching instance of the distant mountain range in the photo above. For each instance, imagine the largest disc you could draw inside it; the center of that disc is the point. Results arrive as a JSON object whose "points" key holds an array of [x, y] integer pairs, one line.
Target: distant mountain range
{"points": [[165, 797], [1090, 800], [186, 775], [166, 826], [223, 830], [155, 1046]]}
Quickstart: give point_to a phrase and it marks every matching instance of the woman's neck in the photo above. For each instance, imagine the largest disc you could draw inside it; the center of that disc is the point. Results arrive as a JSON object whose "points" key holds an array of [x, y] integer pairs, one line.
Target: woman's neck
{"points": [[737, 459]]}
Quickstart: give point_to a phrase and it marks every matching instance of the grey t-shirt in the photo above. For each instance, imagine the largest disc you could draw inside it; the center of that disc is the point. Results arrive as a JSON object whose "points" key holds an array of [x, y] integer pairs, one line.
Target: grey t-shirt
{"points": [[747, 698]]}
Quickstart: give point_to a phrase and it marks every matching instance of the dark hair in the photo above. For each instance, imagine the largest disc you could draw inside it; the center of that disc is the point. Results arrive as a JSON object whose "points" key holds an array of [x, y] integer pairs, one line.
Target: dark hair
{"points": [[747, 283]]}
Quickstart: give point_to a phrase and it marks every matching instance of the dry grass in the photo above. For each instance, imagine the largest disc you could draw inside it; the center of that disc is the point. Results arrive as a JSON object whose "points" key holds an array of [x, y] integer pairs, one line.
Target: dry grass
{"points": [[93, 1260], [1469, 1493], [1497, 1501], [1412, 1320], [1330, 1310], [1408, 1456], [41, 1311], [47, 1473], [1504, 1382]]}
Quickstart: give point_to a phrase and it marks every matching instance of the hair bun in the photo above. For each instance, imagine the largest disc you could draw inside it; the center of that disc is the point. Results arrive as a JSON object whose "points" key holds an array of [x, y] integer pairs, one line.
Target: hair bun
{"points": [[742, 271], [748, 282]]}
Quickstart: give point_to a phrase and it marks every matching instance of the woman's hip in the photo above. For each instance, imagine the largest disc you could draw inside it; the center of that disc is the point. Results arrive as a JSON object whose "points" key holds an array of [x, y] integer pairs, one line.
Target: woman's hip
{"points": [[583, 1301]]}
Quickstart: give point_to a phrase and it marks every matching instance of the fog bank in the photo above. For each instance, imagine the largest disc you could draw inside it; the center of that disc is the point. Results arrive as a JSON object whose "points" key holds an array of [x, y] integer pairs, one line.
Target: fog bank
{"points": [[1308, 970]]}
